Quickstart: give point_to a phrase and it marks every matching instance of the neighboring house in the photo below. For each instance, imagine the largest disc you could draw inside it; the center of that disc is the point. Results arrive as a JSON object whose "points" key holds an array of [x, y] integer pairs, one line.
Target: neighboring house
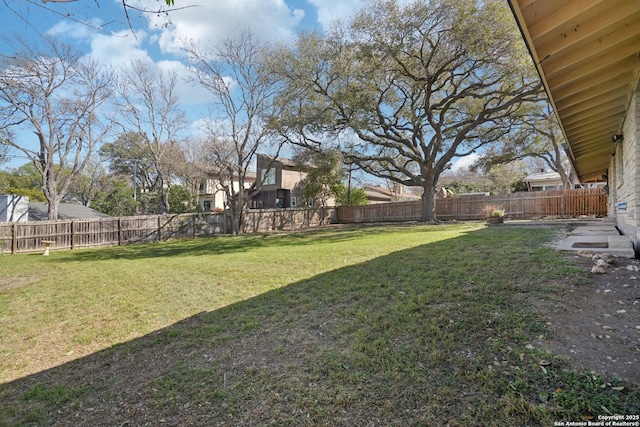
{"points": [[444, 193], [211, 195], [14, 208], [377, 194], [39, 211], [543, 181], [587, 55], [279, 184]]}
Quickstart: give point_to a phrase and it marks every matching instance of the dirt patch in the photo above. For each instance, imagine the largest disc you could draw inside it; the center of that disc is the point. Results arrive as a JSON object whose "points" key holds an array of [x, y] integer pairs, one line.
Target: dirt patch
{"points": [[15, 283], [596, 324]]}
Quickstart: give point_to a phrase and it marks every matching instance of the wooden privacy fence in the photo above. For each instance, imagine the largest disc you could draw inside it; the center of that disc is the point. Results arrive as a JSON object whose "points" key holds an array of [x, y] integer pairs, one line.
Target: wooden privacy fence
{"points": [[256, 220], [25, 237], [381, 212], [521, 205]]}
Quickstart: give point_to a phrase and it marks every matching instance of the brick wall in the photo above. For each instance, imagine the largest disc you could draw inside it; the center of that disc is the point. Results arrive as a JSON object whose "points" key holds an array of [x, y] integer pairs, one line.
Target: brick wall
{"points": [[624, 174]]}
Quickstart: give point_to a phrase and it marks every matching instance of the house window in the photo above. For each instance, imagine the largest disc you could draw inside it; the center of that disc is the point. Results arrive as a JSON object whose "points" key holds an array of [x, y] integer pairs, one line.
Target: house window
{"points": [[207, 205], [294, 202], [202, 186], [268, 176], [310, 202]]}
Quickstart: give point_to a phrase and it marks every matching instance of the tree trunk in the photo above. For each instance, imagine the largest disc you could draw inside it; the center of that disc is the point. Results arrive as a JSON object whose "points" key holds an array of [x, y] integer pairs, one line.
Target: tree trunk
{"points": [[164, 201], [163, 194], [51, 194], [428, 205], [52, 211], [235, 222], [235, 211]]}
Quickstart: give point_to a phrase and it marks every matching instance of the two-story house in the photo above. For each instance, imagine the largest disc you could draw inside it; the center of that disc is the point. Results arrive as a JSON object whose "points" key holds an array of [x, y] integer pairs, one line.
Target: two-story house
{"points": [[212, 195], [279, 184]]}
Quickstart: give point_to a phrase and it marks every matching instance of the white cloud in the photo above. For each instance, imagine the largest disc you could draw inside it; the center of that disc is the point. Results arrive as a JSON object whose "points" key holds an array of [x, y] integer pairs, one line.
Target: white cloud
{"points": [[190, 94], [212, 21], [332, 10], [114, 48], [74, 30], [464, 162], [119, 48]]}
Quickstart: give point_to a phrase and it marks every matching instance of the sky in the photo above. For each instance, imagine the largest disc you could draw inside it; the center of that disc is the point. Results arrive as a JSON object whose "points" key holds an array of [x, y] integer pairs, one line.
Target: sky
{"points": [[156, 36], [112, 39]]}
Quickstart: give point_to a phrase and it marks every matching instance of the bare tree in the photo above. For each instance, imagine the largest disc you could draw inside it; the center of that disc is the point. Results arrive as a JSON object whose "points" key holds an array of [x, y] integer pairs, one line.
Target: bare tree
{"points": [[195, 165], [415, 85], [5, 137], [57, 93], [81, 11], [243, 89], [88, 184], [149, 104], [538, 137]]}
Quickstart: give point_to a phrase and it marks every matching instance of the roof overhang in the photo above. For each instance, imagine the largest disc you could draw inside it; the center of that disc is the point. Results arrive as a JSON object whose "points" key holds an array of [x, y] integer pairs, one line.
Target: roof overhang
{"points": [[587, 53]]}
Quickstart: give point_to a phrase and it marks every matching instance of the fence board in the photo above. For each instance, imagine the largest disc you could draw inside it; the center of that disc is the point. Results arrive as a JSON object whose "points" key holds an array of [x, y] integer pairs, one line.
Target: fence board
{"points": [[92, 233], [25, 237], [256, 220], [521, 205]]}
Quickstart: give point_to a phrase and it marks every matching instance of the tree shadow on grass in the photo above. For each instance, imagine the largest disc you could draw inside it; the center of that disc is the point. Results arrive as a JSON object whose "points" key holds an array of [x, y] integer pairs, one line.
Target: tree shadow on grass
{"points": [[430, 335]]}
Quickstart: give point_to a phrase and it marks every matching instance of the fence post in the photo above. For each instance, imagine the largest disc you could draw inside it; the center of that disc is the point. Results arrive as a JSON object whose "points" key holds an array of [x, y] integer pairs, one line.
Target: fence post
{"points": [[159, 228], [224, 222], [73, 232], [14, 238], [456, 211]]}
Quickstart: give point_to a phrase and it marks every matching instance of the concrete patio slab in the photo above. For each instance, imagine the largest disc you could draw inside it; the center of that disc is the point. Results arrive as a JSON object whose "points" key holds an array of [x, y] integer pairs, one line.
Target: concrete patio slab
{"points": [[613, 244], [591, 230]]}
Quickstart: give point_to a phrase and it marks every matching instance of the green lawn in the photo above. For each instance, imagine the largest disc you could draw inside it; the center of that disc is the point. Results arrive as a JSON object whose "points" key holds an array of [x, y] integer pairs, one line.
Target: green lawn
{"points": [[394, 325]]}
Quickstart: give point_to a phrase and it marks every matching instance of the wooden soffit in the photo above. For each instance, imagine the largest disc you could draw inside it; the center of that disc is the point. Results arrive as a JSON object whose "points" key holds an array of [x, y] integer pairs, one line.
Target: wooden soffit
{"points": [[587, 53]]}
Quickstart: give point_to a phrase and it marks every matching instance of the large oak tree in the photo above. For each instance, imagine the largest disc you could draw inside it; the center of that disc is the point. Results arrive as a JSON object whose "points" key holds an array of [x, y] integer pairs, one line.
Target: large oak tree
{"points": [[404, 89]]}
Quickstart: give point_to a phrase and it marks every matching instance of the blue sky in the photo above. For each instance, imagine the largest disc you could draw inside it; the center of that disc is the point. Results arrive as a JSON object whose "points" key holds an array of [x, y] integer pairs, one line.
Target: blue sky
{"points": [[208, 21]]}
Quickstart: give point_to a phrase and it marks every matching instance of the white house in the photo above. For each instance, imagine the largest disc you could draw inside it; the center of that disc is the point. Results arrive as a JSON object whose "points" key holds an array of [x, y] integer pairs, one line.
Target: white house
{"points": [[544, 181], [14, 208], [211, 195]]}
